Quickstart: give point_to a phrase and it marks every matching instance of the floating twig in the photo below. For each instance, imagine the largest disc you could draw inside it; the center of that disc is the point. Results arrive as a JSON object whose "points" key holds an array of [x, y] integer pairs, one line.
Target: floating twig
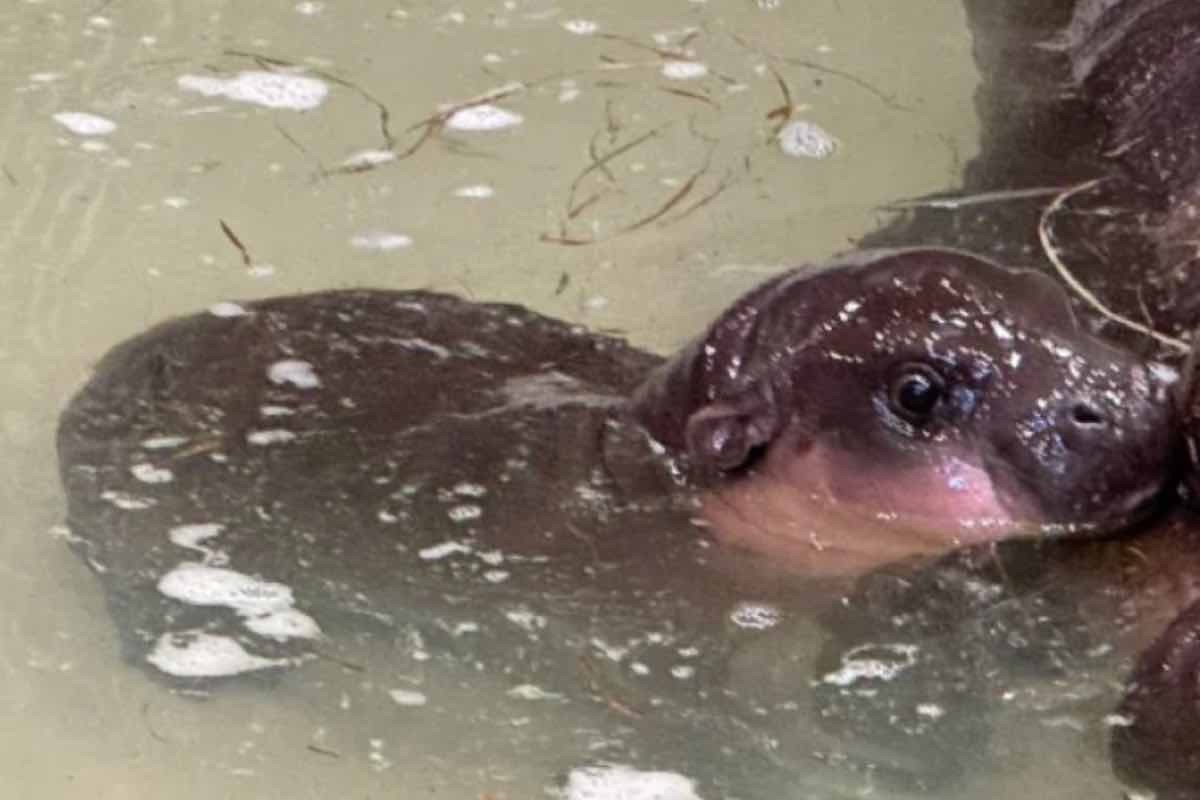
{"points": [[154, 734], [703, 98], [602, 162], [233, 238], [322, 751], [781, 114], [12, 179], [672, 201], [955, 202], [725, 183], [888, 100], [1052, 254], [670, 55]]}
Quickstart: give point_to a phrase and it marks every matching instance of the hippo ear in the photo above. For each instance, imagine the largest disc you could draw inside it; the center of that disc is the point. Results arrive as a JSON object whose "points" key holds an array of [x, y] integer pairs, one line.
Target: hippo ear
{"points": [[725, 435]]}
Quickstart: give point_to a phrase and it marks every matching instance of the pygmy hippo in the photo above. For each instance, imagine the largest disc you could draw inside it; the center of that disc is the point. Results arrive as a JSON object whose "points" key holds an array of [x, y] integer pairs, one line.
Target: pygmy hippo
{"points": [[895, 403], [266, 482]]}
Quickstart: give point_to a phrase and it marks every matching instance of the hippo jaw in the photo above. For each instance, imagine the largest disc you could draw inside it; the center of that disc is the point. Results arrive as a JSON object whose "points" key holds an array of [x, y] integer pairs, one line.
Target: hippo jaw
{"points": [[908, 402]]}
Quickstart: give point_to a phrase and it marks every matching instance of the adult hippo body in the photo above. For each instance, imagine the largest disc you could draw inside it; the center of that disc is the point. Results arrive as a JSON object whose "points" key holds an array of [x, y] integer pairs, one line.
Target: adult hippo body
{"points": [[1088, 165]]}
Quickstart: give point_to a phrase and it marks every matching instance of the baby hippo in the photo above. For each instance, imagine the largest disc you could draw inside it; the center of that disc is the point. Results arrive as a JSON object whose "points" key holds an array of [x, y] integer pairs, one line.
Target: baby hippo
{"points": [[353, 456]]}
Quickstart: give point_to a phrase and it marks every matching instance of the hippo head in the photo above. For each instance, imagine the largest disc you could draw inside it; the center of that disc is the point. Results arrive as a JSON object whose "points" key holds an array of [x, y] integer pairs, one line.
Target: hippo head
{"points": [[906, 401]]}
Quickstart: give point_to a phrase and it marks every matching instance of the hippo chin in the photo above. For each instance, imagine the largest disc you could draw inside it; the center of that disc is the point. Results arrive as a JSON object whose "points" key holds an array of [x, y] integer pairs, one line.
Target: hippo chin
{"points": [[904, 402]]}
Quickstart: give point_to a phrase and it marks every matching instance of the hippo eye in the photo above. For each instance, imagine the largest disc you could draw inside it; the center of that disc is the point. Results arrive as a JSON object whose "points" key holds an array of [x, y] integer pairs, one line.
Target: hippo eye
{"points": [[915, 392]]}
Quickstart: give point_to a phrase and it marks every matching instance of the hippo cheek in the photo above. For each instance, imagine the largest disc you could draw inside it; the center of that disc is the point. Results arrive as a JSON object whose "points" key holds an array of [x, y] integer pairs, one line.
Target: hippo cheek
{"points": [[826, 510]]}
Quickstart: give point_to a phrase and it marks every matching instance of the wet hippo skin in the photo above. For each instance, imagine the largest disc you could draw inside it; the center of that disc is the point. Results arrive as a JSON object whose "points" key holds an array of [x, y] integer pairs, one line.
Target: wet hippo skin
{"points": [[242, 480], [1097, 97], [308, 477]]}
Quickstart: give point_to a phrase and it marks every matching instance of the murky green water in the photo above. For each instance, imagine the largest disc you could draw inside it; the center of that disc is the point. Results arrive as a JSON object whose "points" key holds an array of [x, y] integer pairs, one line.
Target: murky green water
{"points": [[635, 183]]}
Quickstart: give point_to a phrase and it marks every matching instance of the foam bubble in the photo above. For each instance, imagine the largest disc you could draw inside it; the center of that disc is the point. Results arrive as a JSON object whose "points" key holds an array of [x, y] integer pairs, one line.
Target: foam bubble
{"points": [[621, 782], [368, 158], [202, 585], [163, 442], [192, 537], [126, 501], [483, 117], [288, 623], [227, 310], [196, 654], [440, 551], [803, 139], [266, 607], [269, 89], [270, 436], [755, 616], [148, 473], [298, 373], [684, 70], [83, 124], [581, 27], [381, 241], [408, 697], [478, 191]]}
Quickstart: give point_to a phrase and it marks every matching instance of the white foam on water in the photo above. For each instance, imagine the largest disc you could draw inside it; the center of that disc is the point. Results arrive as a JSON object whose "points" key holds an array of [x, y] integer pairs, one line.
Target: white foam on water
{"points": [[128, 502], [755, 616], [266, 607], [163, 442], [803, 139], [684, 70], [288, 623], [227, 310], [527, 691], [408, 697], [622, 782], [581, 27], [82, 123], [148, 473], [440, 551], [855, 668], [202, 585], [196, 654], [268, 89], [478, 191], [483, 117], [369, 158], [381, 240], [192, 537], [298, 373], [270, 436], [465, 512]]}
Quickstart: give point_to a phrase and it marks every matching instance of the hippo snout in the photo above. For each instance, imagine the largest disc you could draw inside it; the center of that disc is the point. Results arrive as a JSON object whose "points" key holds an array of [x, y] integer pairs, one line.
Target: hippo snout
{"points": [[1094, 455]]}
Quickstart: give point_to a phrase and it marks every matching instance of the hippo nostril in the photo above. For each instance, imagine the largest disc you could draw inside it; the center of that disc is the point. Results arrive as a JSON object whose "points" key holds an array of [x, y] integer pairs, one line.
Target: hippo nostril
{"points": [[1087, 416]]}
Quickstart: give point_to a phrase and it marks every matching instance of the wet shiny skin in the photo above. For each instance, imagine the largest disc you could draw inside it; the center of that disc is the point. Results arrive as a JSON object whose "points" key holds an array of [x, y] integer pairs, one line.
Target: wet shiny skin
{"points": [[1036, 427]]}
